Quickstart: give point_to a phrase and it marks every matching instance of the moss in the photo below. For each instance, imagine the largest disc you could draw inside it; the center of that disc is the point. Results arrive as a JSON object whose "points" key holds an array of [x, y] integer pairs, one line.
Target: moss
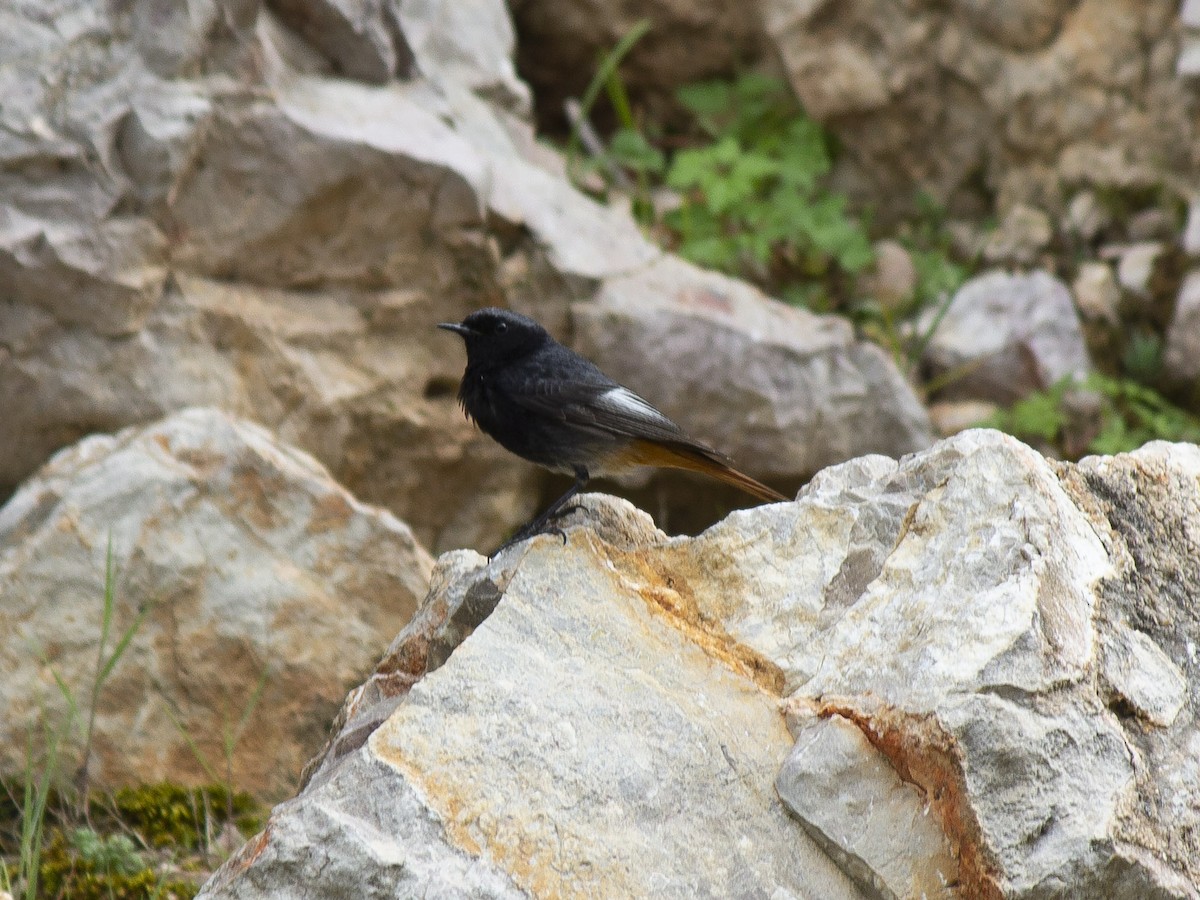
{"points": [[64, 872], [109, 859], [169, 815]]}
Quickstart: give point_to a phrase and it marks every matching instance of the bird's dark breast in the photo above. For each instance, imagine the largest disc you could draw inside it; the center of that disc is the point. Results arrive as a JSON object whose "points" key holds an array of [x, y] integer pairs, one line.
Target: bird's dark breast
{"points": [[535, 436]]}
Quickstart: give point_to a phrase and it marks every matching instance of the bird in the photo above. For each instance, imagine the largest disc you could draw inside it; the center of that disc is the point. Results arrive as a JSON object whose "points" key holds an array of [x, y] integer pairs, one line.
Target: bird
{"points": [[549, 405]]}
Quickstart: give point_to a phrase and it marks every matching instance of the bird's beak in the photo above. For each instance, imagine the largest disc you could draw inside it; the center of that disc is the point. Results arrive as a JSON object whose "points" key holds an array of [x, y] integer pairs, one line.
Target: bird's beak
{"points": [[455, 327]]}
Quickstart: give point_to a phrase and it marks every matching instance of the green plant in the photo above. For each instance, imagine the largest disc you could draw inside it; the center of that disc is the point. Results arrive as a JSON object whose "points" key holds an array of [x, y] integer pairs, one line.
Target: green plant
{"points": [[170, 815], [606, 78], [42, 773], [104, 664], [115, 854], [1143, 356], [37, 786], [231, 736], [1127, 416], [85, 865], [753, 198]]}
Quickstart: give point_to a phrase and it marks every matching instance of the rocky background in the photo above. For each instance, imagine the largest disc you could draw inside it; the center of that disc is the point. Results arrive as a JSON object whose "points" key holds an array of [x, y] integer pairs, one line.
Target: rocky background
{"points": [[231, 449]]}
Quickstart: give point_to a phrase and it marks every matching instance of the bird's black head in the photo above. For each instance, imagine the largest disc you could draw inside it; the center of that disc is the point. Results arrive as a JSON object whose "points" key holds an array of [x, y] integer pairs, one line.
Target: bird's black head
{"points": [[494, 336]]}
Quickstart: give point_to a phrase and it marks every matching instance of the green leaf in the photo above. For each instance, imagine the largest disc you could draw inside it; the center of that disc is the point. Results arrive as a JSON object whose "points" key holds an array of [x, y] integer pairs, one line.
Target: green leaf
{"points": [[709, 102], [632, 150]]}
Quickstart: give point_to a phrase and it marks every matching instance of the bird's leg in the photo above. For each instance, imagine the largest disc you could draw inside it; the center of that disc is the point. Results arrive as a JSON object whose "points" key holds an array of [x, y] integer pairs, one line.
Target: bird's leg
{"points": [[536, 526]]}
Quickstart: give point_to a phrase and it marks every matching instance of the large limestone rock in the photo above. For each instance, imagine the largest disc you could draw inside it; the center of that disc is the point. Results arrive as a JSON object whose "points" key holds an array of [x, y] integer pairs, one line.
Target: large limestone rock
{"points": [[579, 744], [268, 206], [266, 590], [986, 662]]}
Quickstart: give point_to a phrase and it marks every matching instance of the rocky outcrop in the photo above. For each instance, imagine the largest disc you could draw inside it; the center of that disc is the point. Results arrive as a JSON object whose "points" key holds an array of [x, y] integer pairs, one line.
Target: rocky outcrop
{"points": [[264, 591], [989, 107], [268, 206], [985, 661], [1033, 102]]}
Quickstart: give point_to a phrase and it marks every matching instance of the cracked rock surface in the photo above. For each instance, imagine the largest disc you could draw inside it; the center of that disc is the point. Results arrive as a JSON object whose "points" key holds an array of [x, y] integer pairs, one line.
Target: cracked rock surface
{"points": [[968, 673]]}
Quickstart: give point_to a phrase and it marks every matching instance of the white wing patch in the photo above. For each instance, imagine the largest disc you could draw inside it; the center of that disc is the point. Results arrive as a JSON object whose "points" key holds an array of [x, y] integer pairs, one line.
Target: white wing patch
{"points": [[625, 401]]}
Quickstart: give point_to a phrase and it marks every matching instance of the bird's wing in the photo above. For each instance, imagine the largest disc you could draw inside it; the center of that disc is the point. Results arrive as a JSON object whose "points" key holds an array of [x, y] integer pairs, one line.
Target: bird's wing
{"points": [[602, 405]]}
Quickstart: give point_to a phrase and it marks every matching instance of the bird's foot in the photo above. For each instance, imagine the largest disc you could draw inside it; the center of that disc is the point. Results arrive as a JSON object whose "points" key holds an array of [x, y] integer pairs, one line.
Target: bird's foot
{"points": [[525, 534]]}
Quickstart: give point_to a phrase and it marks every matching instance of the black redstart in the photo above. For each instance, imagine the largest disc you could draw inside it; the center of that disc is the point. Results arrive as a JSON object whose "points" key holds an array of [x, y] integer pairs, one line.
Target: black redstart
{"points": [[551, 406]]}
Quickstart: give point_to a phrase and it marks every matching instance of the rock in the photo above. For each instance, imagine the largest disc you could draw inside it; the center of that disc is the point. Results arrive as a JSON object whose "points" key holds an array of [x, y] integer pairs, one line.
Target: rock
{"points": [[952, 416], [1191, 230], [465, 45], [1022, 235], [1135, 266], [1152, 224], [203, 213], [989, 701], [1086, 217], [1187, 64], [1007, 335], [987, 662], [1181, 358], [837, 80], [975, 103], [1097, 294], [1189, 14], [267, 590], [1023, 25], [355, 35], [836, 783], [309, 305], [686, 43], [611, 803], [780, 390], [891, 281]]}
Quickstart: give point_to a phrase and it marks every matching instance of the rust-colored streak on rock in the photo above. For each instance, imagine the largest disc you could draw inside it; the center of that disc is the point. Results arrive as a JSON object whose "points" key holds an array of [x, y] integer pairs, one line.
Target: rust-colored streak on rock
{"points": [[330, 512], [667, 593], [924, 755], [247, 856], [252, 491]]}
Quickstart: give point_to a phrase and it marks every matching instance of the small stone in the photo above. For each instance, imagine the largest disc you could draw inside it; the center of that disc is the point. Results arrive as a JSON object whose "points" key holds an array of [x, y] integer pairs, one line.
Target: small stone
{"points": [[1188, 63], [1135, 266], [1181, 360], [1191, 230], [1085, 216], [1023, 233], [892, 280], [1005, 336], [1189, 14], [1096, 292]]}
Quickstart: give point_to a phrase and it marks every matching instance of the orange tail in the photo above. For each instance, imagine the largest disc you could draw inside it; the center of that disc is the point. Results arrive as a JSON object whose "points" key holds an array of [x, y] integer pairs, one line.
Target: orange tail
{"points": [[695, 458]]}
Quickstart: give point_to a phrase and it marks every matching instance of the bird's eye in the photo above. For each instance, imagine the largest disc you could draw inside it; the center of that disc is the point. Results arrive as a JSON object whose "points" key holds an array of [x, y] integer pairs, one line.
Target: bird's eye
{"points": [[501, 327]]}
